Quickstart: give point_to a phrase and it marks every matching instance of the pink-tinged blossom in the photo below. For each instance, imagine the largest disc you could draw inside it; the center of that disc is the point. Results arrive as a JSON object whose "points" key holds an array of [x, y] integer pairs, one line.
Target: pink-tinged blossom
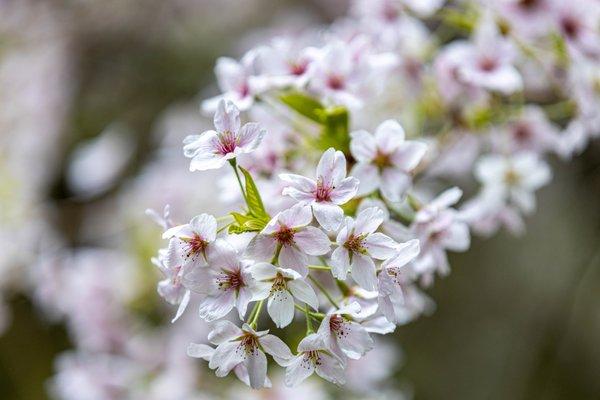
{"points": [[281, 286], [194, 239], [226, 283], [313, 356], [289, 234], [513, 178], [487, 61], [170, 263], [358, 244], [243, 346], [439, 228], [342, 335], [325, 194], [385, 160], [529, 19], [486, 213], [577, 22], [213, 148], [235, 81], [532, 131], [338, 76]]}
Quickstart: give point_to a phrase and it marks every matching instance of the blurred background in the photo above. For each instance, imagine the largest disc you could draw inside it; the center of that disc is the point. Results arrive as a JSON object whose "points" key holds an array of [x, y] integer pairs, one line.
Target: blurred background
{"points": [[95, 98]]}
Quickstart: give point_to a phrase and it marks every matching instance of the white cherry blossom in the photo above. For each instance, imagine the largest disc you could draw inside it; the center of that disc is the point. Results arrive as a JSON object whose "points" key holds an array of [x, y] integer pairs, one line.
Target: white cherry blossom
{"points": [[385, 160], [289, 234], [358, 244], [194, 239], [325, 194], [281, 286], [213, 148]]}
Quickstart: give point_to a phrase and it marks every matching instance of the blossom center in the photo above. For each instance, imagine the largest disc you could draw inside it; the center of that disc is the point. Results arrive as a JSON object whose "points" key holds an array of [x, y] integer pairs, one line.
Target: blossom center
{"points": [[569, 26], [298, 68], [279, 283], [323, 192], [230, 280], [390, 13], [249, 343], [227, 143], [285, 236], [488, 64], [522, 133], [311, 356], [382, 160], [528, 3], [196, 245], [335, 82], [355, 244], [511, 177]]}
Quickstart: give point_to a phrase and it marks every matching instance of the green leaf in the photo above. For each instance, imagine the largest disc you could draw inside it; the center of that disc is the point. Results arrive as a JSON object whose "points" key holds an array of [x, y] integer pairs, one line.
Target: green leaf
{"points": [[335, 131], [253, 199], [303, 104]]}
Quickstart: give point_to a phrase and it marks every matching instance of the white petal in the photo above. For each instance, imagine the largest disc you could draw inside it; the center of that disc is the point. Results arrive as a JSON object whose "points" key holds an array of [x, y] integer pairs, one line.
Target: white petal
{"points": [[300, 187], [261, 248], [394, 184], [312, 241], [244, 297], [262, 271], [368, 177], [215, 307], [340, 263], [298, 370], [202, 351], [329, 215], [277, 348], [355, 341], [458, 237], [389, 135], [405, 252], [363, 271], [331, 369], [304, 292], [409, 155], [291, 257], [227, 117], [281, 308], [380, 246], [368, 220], [223, 331], [345, 190], [297, 216], [223, 255], [182, 306], [250, 137], [205, 225], [206, 161], [363, 146], [256, 362], [332, 166]]}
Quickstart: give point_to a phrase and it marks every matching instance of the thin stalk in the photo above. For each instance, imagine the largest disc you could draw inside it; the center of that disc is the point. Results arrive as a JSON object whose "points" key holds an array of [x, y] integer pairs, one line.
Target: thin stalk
{"points": [[256, 314], [309, 327], [319, 267], [233, 164], [325, 292]]}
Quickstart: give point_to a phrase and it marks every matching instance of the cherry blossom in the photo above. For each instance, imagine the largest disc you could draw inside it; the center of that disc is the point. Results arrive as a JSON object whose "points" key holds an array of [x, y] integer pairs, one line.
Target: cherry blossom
{"points": [[281, 286], [194, 239], [358, 244], [226, 283], [289, 234], [385, 160], [244, 346], [343, 336], [312, 357], [211, 149], [325, 194]]}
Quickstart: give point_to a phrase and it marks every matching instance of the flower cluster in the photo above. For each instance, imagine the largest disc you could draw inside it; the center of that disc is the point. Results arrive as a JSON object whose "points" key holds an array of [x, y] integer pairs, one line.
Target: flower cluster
{"points": [[342, 148]]}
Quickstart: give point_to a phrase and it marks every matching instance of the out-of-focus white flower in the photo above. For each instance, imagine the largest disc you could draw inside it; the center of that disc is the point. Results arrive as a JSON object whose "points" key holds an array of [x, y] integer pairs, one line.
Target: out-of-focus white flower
{"points": [[330, 190], [385, 160], [281, 286], [212, 149], [358, 244], [439, 228], [234, 79], [515, 178], [289, 234], [170, 263]]}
